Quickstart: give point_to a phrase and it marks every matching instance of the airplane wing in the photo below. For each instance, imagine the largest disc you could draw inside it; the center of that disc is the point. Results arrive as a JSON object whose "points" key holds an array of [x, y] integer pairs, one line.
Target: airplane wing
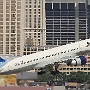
{"points": [[65, 59], [8, 57]]}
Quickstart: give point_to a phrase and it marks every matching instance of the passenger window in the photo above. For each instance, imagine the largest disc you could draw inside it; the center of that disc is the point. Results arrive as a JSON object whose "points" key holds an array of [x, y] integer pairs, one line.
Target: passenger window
{"points": [[21, 62], [49, 55], [58, 53], [24, 62], [61, 52], [15, 64], [34, 60], [18, 64], [27, 61], [46, 56]]}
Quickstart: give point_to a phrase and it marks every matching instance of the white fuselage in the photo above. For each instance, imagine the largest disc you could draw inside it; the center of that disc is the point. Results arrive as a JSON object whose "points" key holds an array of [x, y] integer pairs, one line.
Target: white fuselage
{"points": [[28, 62]]}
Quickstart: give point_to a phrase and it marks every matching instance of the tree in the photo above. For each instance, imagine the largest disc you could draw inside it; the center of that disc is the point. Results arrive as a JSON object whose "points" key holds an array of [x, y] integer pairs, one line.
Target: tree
{"points": [[46, 77], [62, 76], [81, 77], [78, 77], [72, 77], [88, 78]]}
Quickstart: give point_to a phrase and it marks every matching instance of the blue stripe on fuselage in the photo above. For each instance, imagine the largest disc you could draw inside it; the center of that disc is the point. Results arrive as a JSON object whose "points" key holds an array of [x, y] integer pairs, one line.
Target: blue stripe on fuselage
{"points": [[2, 60]]}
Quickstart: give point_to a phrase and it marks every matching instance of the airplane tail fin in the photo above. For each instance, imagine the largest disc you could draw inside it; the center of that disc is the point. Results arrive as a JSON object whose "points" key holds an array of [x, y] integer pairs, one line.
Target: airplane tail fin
{"points": [[2, 60]]}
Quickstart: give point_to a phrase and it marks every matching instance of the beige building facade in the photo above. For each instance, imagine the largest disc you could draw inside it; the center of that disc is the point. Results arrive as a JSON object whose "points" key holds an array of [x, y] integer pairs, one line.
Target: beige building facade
{"points": [[21, 20], [34, 31], [11, 26]]}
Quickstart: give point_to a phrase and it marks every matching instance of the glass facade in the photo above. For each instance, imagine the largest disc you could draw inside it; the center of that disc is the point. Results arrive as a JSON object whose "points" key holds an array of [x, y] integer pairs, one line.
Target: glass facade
{"points": [[88, 13], [65, 23]]}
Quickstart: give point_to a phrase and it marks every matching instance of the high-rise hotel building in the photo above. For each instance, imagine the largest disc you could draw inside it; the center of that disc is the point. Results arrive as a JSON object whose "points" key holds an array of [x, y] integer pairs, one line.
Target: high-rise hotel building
{"points": [[34, 30], [11, 26], [20, 21]]}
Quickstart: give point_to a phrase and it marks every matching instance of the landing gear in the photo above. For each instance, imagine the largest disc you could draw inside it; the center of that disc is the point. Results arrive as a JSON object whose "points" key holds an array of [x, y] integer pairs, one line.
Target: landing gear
{"points": [[56, 69], [69, 63], [55, 72], [41, 73], [50, 69]]}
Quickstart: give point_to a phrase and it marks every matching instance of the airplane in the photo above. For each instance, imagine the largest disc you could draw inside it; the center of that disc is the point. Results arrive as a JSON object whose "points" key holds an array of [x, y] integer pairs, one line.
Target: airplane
{"points": [[47, 60]]}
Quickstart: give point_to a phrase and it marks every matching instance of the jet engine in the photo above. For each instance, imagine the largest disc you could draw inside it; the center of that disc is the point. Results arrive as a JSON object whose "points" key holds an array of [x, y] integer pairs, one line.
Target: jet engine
{"points": [[78, 61]]}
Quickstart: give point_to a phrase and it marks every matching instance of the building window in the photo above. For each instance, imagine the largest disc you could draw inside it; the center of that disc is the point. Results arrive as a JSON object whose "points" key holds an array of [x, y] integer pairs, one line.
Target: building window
{"points": [[48, 6], [30, 12], [30, 6], [34, 25], [34, 6], [26, 6], [63, 6], [30, 2], [81, 6], [34, 12], [71, 6], [34, 9], [56, 6], [38, 15], [38, 9], [38, 6], [38, 21], [35, 16], [35, 2], [30, 25], [30, 9], [38, 12], [38, 25]]}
